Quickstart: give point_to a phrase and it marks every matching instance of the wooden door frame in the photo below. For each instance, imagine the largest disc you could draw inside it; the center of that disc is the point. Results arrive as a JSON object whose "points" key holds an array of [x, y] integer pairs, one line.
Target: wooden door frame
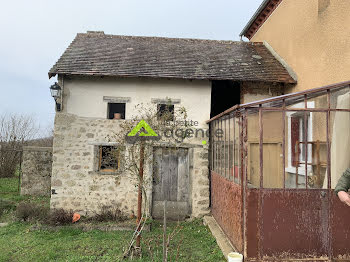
{"points": [[191, 174]]}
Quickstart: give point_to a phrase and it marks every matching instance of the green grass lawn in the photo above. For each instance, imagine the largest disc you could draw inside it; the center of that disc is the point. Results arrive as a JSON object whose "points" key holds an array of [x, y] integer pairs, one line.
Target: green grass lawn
{"points": [[9, 184], [20, 242], [9, 189]]}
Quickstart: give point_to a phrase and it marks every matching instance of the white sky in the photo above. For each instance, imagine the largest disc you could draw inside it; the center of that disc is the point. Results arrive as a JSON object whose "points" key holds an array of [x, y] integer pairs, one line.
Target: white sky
{"points": [[35, 33]]}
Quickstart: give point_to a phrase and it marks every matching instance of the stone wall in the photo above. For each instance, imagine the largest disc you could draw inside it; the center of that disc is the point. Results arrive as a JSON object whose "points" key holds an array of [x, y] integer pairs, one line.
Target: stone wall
{"points": [[254, 91], [36, 171], [78, 185]]}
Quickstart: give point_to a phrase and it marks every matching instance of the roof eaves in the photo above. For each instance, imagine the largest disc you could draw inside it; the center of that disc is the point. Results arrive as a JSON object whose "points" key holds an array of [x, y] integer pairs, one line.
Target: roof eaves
{"points": [[263, 11], [208, 78], [52, 71], [256, 14]]}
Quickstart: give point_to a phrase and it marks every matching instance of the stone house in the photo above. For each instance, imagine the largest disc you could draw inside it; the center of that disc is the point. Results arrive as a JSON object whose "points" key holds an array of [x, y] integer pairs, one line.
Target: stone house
{"points": [[102, 75]]}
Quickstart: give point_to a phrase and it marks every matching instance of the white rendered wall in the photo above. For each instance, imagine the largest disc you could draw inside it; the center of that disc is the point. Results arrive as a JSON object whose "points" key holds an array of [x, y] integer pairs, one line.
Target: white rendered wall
{"points": [[84, 96]]}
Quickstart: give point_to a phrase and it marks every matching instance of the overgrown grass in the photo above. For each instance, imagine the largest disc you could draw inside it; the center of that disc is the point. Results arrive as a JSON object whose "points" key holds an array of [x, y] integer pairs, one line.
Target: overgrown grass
{"points": [[19, 243], [9, 193], [9, 189], [9, 184]]}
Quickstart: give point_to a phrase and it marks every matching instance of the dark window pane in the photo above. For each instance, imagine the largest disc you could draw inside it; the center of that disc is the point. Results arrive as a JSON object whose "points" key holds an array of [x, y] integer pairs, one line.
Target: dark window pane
{"points": [[116, 108], [165, 112], [109, 158]]}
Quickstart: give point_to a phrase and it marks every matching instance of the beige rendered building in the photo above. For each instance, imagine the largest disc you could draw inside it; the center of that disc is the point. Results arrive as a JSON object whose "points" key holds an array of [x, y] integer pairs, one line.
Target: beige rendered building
{"points": [[312, 36]]}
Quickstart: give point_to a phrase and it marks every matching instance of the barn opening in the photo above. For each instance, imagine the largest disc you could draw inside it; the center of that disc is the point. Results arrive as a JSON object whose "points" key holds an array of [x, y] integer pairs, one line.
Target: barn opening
{"points": [[224, 94]]}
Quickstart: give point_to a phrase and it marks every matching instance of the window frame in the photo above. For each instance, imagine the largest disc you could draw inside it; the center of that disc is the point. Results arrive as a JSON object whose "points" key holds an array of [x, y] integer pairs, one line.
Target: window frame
{"points": [[159, 112], [99, 159], [123, 114], [301, 168]]}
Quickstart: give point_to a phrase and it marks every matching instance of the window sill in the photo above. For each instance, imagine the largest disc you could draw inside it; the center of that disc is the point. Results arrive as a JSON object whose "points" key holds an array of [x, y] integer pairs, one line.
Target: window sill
{"points": [[301, 170], [104, 172], [117, 119]]}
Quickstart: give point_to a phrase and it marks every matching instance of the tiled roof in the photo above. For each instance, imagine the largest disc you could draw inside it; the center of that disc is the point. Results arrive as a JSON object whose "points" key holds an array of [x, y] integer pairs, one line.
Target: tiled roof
{"points": [[96, 53]]}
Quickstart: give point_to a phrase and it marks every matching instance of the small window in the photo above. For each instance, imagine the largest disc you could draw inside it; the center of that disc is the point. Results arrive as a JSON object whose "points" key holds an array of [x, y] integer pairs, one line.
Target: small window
{"points": [[116, 110], [298, 138], [165, 112], [108, 159]]}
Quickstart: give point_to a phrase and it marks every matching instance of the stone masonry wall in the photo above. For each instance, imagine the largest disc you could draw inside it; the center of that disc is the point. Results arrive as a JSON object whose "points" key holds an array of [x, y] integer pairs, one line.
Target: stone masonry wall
{"points": [[36, 171], [254, 91], [77, 184], [200, 182]]}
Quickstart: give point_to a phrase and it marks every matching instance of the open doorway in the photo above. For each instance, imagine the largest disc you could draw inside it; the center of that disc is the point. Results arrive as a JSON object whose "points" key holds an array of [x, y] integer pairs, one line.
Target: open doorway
{"points": [[224, 94]]}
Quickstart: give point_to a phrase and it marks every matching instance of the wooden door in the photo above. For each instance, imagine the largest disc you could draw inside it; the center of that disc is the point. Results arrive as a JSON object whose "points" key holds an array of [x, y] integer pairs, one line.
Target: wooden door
{"points": [[272, 165], [171, 182]]}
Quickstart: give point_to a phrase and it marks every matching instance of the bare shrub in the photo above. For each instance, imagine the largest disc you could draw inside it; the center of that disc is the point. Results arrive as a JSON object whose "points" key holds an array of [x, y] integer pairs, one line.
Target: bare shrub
{"points": [[27, 211], [15, 130], [6, 205], [60, 217], [109, 213], [42, 142]]}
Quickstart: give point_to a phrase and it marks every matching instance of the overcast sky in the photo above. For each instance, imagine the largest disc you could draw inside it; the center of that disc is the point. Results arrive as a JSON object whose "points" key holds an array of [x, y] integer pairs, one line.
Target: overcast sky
{"points": [[35, 33]]}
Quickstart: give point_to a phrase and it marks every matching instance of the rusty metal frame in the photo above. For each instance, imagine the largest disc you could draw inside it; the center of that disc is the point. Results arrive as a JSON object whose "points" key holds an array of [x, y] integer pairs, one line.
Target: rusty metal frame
{"points": [[225, 169], [329, 175], [261, 181], [245, 175], [234, 150], [241, 175], [240, 113], [284, 142], [306, 138], [221, 162], [216, 149], [279, 98], [228, 121]]}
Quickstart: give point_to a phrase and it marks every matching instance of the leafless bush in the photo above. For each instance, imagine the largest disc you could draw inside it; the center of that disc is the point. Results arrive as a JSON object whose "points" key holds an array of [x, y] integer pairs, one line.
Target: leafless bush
{"points": [[45, 138], [60, 217], [45, 142], [109, 213], [9, 160], [6, 205], [27, 211], [15, 131]]}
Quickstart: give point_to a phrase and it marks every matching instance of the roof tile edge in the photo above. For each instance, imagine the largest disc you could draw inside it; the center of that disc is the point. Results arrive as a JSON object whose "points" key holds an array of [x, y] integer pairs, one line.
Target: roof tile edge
{"points": [[289, 69]]}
